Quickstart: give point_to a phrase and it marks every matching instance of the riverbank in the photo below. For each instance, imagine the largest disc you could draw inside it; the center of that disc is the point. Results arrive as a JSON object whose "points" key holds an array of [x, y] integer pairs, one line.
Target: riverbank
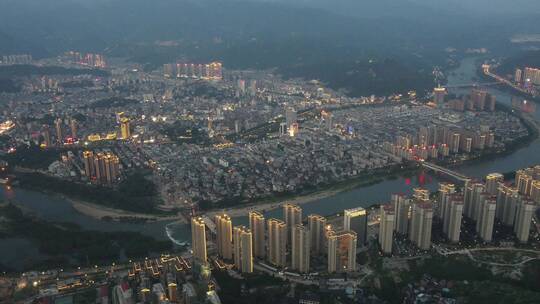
{"points": [[63, 244], [263, 205], [266, 205]]}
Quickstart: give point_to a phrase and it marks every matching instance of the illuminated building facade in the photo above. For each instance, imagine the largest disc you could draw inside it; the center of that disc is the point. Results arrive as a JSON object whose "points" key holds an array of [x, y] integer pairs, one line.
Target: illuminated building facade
{"points": [[277, 242], [224, 236], [300, 253], [198, 239], [316, 225], [207, 71], [342, 251], [257, 227], [102, 167], [356, 220], [438, 96], [243, 249], [125, 128], [492, 182]]}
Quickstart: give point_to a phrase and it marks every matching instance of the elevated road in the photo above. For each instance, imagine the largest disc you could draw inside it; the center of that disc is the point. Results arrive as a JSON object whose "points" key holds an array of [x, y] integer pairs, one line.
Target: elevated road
{"points": [[487, 71]]}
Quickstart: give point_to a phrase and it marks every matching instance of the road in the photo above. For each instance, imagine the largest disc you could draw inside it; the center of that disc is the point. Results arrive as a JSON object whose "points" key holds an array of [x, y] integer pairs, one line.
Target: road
{"points": [[469, 252], [486, 69]]}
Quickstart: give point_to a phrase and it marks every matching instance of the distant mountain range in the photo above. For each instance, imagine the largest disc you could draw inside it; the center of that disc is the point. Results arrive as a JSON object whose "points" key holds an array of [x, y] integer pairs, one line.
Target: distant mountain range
{"points": [[50, 26], [298, 37]]}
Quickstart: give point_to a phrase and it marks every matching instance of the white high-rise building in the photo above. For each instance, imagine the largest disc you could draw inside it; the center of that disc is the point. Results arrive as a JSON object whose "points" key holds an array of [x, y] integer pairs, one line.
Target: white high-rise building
{"points": [[492, 182], [257, 227], [300, 249], [445, 192], [316, 225], [386, 228], [293, 216], [224, 236], [524, 181], [524, 215], [243, 249], [507, 199], [452, 220], [421, 224], [472, 194], [277, 242], [486, 219], [402, 207], [198, 239]]}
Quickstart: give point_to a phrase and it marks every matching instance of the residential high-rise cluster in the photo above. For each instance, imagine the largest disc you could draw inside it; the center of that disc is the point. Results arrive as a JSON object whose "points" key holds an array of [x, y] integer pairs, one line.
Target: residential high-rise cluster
{"points": [[88, 59], [16, 59], [61, 137], [527, 75], [516, 204], [407, 216], [478, 100], [290, 243], [481, 202], [102, 167], [210, 71], [434, 142], [486, 202], [283, 243]]}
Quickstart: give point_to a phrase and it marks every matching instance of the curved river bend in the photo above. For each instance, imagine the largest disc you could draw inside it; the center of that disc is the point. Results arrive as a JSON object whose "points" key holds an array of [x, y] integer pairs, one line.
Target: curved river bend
{"points": [[55, 208]]}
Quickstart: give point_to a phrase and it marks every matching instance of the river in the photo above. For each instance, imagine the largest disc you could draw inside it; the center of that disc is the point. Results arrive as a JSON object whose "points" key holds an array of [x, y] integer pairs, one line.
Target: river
{"points": [[55, 208]]}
